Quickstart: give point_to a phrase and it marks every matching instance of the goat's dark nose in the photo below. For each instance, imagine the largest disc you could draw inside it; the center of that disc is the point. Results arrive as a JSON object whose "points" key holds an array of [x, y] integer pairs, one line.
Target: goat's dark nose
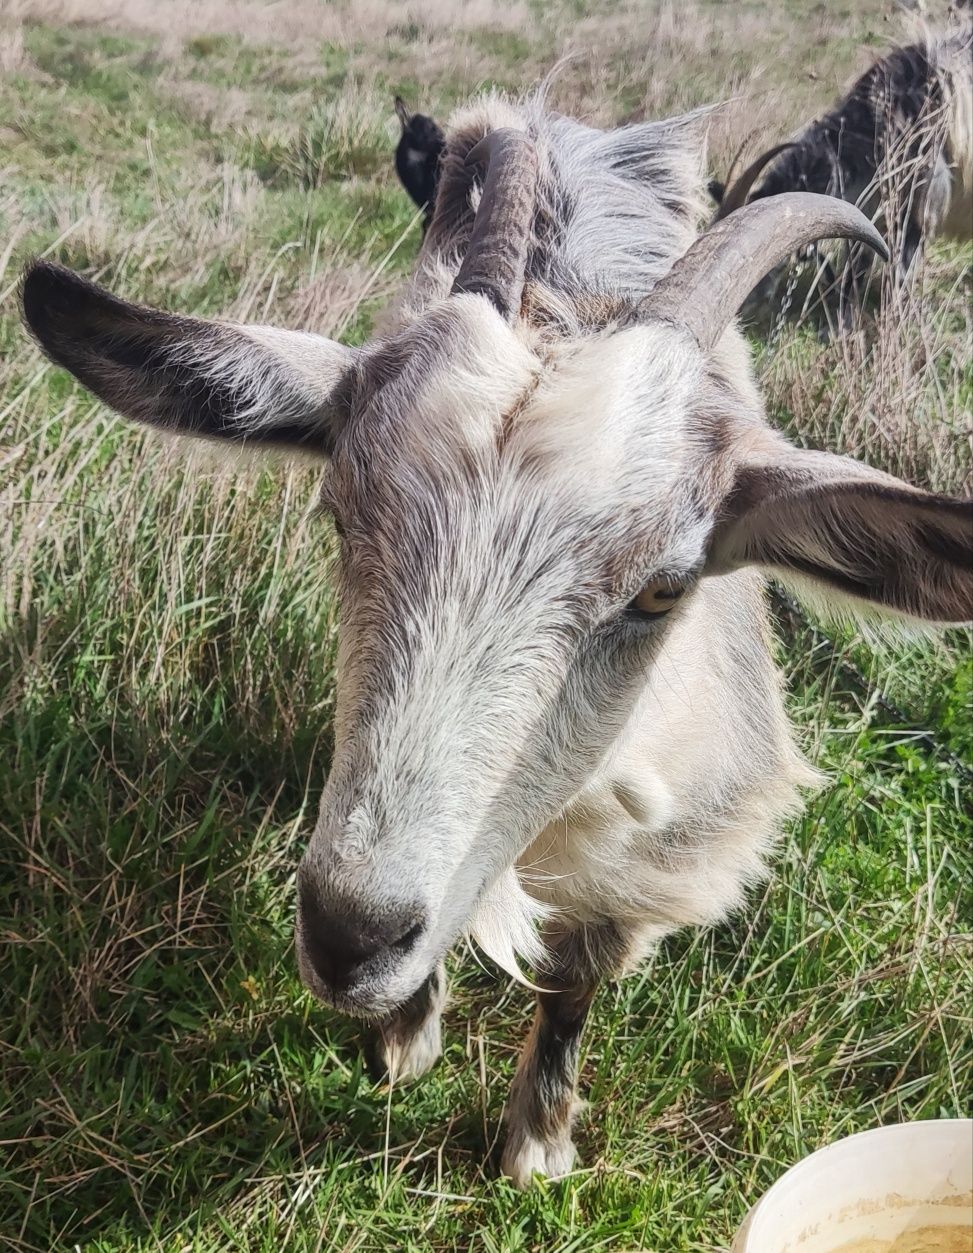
{"points": [[341, 940]]}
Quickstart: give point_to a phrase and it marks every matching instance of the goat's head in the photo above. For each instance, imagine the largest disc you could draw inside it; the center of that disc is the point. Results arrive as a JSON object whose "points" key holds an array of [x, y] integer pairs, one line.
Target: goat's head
{"points": [[521, 525], [417, 157]]}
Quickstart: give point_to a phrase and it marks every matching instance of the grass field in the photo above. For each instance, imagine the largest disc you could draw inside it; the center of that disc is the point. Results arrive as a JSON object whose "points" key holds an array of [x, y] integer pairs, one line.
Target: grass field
{"points": [[167, 636]]}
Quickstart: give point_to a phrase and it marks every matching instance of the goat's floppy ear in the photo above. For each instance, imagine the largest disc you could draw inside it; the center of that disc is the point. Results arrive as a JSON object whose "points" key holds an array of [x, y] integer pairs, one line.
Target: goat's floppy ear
{"points": [[845, 533], [717, 190], [214, 380]]}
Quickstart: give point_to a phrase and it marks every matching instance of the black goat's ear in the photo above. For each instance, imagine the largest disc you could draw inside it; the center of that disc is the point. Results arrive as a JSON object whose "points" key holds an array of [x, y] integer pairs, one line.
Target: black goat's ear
{"points": [[215, 380], [716, 189]]}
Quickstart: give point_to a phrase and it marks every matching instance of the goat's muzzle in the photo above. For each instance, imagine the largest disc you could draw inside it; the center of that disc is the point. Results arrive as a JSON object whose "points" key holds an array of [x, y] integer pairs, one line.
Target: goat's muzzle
{"points": [[351, 953]]}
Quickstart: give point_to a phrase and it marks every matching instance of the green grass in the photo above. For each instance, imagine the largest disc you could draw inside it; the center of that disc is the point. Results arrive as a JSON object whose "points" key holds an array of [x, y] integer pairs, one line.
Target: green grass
{"points": [[167, 635]]}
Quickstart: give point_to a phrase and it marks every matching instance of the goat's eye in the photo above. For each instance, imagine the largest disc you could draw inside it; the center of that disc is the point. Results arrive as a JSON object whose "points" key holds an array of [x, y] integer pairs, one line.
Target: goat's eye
{"points": [[655, 599]]}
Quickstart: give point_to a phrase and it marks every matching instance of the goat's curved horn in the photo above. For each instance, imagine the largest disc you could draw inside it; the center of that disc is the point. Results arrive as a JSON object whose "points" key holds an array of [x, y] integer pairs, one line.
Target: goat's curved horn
{"points": [[402, 112], [708, 284], [496, 259], [737, 192]]}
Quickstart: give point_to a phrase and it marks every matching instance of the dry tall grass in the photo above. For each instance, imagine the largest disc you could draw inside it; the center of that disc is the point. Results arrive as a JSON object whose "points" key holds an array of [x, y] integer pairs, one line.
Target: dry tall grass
{"points": [[771, 66], [895, 391]]}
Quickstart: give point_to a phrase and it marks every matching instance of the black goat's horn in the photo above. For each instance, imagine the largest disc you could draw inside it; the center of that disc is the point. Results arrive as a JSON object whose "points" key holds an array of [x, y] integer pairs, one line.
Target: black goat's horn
{"points": [[737, 192]]}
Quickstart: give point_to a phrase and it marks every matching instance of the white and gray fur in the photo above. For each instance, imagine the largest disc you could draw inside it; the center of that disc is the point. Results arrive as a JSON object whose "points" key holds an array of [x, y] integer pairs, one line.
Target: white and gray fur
{"points": [[515, 738]]}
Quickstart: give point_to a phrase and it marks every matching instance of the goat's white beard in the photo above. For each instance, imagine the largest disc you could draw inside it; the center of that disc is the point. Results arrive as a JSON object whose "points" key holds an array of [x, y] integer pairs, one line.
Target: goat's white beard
{"points": [[505, 926]]}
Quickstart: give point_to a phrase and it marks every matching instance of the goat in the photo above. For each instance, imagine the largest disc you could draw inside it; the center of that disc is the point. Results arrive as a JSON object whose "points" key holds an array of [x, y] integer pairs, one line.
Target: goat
{"points": [[899, 145], [557, 500], [417, 157]]}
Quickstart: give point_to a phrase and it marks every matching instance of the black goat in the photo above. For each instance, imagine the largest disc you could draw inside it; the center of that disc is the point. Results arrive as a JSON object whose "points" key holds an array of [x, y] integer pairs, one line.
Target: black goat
{"points": [[417, 157], [899, 145]]}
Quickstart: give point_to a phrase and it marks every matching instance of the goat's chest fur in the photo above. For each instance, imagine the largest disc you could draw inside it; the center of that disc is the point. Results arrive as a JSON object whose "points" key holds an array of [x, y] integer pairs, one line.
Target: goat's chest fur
{"points": [[676, 824]]}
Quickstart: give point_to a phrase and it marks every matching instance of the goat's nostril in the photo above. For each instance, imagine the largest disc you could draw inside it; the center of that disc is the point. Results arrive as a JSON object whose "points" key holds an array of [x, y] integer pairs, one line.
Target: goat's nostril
{"points": [[407, 940]]}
